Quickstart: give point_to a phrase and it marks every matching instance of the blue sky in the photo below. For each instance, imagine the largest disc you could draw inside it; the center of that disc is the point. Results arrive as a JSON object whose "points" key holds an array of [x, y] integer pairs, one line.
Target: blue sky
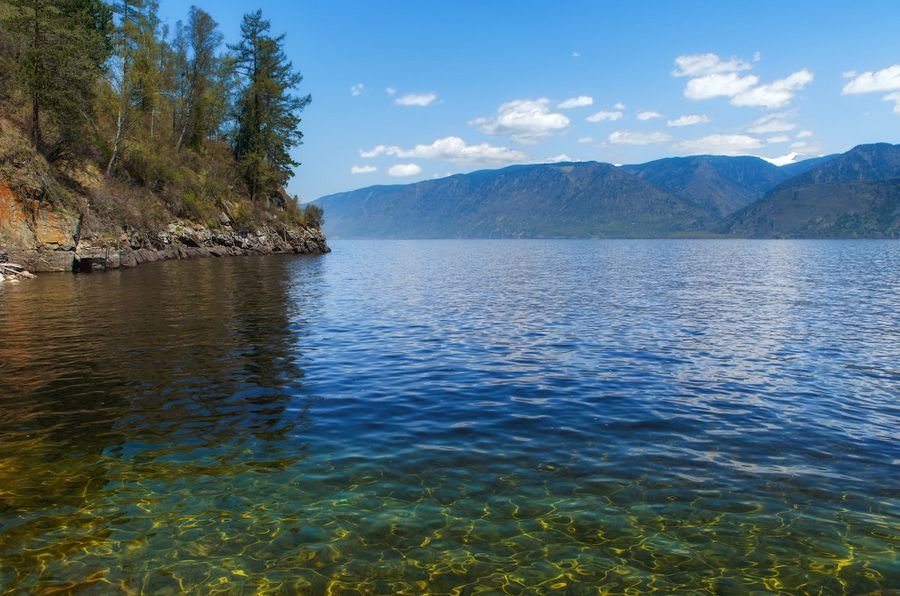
{"points": [[412, 90]]}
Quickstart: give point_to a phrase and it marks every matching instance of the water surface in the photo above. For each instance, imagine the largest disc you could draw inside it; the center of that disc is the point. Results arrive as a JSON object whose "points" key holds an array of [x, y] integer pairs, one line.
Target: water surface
{"points": [[448, 417]]}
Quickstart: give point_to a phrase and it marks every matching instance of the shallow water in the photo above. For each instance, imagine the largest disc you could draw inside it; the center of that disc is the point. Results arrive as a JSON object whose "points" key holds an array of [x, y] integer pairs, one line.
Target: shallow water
{"points": [[445, 417]]}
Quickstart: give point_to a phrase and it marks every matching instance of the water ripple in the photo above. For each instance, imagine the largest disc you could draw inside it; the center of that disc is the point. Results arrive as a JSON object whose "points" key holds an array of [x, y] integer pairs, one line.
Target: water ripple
{"points": [[448, 417]]}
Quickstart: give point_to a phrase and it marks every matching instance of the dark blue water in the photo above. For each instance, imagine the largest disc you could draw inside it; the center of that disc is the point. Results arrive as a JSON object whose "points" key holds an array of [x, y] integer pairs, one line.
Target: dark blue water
{"points": [[448, 417]]}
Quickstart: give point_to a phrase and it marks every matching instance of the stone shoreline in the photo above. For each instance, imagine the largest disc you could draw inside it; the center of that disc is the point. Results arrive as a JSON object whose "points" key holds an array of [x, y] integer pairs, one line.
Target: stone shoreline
{"points": [[181, 240]]}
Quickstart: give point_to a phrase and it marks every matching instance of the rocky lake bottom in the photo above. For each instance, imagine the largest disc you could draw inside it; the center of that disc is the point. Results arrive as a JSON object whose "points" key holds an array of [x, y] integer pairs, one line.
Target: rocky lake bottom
{"points": [[451, 417]]}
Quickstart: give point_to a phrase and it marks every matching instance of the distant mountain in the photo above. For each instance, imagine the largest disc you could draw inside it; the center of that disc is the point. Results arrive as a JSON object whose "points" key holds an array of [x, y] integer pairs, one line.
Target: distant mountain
{"points": [[720, 184], [567, 200], [867, 163], [852, 195], [800, 167], [829, 210]]}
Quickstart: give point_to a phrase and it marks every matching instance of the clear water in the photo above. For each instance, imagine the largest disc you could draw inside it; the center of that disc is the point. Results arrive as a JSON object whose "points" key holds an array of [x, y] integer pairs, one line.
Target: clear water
{"points": [[455, 417]]}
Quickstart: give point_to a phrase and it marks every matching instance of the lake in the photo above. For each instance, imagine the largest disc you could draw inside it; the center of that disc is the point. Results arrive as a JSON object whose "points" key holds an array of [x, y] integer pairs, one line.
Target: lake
{"points": [[455, 416]]}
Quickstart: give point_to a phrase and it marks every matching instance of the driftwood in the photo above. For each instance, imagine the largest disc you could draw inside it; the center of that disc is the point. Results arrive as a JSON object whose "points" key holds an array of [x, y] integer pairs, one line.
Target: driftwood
{"points": [[14, 271]]}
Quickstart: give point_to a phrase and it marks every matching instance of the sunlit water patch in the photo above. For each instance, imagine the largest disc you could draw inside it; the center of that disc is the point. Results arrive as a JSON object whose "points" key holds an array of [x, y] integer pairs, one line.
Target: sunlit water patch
{"points": [[448, 417]]}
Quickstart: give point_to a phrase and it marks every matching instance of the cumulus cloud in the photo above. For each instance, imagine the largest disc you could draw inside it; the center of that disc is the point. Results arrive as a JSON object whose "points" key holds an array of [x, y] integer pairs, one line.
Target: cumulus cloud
{"points": [[807, 148], [775, 94], [416, 99], [720, 145], [357, 89], [523, 120], [719, 85], [804, 134], [698, 65], [584, 140], [778, 139], [894, 97], [452, 149], [873, 81], [605, 116], [363, 169], [710, 76], [619, 106], [404, 169], [648, 115], [576, 102], [689, 120], [769, 123], [876, 81], [558, 158], [627, 137]]}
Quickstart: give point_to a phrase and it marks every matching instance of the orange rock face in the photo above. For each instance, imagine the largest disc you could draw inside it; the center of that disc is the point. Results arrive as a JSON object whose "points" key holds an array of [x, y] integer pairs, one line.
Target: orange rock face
{"points": [[23, 224]]}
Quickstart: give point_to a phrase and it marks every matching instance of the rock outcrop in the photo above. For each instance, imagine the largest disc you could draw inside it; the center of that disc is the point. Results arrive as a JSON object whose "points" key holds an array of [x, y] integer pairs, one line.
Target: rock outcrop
{"points": [[44, 239]]}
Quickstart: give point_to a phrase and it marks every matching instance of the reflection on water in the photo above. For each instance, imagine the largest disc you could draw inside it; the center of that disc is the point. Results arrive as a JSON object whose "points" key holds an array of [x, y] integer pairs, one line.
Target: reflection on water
{"points": [[448, 417]]}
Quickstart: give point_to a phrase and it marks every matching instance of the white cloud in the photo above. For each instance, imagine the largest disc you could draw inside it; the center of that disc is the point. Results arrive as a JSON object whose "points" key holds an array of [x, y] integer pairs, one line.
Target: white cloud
{"points": [[585, 140], [757, 56], [379, 150], [689, 120], [721, 145], [776, 93], [778, 139], [390, 91], [404, 169], [894, 97], [719, 85], [648, 115], [363, 169], [605, 116], [416, 99], [800, 145], [804, 134], [558, 158], [873, 81], [357, 89], [451, 149], [772, 123], [627, 137], [710, 76], [523, 120], [619, 106], [697, 65], [576, 102]]}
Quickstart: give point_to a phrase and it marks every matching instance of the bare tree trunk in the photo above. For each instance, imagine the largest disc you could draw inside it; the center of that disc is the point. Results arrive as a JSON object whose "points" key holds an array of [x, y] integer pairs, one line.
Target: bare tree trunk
{"points": [[120, 128]]}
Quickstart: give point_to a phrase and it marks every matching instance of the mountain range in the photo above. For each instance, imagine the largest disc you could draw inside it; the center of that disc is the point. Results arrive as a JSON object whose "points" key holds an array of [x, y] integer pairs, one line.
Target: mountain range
{"points": [[851, 195]]}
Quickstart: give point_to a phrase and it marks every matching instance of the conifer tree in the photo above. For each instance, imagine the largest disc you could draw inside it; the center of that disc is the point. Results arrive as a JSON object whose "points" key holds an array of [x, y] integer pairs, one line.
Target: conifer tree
{"points": [[267, 111], [64, 46]]}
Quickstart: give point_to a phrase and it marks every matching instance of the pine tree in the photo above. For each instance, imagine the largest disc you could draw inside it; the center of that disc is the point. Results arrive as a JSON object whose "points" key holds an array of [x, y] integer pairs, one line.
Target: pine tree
{"points": [[268, 114], [64, 47]]}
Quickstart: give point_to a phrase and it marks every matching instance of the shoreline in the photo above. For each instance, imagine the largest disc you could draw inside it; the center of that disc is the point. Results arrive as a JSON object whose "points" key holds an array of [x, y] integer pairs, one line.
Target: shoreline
{"points": [[181, 240]]}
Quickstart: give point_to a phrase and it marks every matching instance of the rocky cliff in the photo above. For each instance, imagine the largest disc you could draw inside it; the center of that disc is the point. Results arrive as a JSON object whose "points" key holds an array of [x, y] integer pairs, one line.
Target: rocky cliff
{"points": [[43, 239], [48, 222]]}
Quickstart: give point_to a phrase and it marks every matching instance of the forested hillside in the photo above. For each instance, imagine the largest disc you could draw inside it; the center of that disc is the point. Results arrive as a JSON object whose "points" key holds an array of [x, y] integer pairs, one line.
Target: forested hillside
{"points": [[124, 124]]}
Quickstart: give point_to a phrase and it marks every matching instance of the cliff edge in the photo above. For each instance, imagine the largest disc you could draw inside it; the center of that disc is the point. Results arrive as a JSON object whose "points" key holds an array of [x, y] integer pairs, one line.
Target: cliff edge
{"points": [[71, 218]]}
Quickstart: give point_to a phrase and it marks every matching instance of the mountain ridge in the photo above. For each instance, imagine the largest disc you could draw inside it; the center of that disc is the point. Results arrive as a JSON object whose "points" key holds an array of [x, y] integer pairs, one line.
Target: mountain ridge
{"points": [[704, 195]]}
